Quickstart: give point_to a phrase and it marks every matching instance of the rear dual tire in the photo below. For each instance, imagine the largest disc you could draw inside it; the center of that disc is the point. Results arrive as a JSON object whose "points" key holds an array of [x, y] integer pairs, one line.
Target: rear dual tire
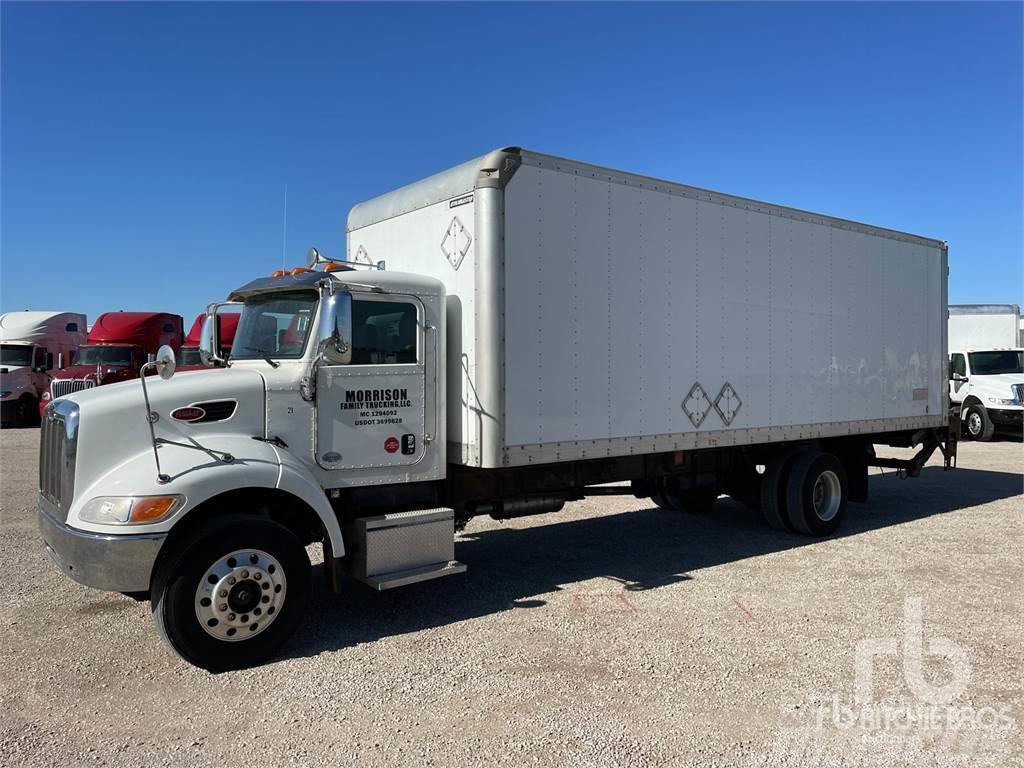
{"points": [[805, 492]]}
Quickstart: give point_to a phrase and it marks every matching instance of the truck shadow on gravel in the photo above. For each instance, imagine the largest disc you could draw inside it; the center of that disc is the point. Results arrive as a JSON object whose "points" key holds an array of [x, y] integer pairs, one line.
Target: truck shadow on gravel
{"points": [[509, 568]]}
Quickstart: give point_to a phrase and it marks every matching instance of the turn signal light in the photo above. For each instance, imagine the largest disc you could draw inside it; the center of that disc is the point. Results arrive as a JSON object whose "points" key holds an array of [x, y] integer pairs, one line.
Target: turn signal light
{"points": [[300, 270], [278, 273], [147, 510], [335, 267]]}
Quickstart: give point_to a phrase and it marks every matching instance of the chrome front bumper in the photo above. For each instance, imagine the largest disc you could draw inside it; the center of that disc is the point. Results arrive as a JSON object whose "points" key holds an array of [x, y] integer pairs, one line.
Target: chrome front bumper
{"points": [[121, 563]]}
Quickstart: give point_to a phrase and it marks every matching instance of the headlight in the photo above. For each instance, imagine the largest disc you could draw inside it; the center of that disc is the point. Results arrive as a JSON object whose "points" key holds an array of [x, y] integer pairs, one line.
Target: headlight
{"points": [[45, 396], [5, 393], [129, 510], [1001, 401]]}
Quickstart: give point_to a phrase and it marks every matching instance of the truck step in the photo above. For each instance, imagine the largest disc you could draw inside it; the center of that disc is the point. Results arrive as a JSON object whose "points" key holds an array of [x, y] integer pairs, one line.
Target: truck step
{"points": [[400, 548], [413, 575]]}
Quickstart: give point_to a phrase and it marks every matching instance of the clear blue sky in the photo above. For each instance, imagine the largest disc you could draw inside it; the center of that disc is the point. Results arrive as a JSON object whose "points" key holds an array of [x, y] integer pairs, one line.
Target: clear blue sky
{"points": [[145, 147]]}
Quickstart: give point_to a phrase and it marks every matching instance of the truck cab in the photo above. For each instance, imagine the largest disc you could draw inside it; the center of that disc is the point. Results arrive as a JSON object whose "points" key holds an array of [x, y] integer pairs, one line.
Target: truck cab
{"points": [[987, 386], [335, 385], [33, 345], [118, 345]]}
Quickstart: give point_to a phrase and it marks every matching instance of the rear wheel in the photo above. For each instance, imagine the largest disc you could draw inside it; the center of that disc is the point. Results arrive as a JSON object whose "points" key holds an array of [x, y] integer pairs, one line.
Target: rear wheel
{"points": [[694, 500], [978, 425], [773, 489], [661, 501], [230, 595], [816, 493]]}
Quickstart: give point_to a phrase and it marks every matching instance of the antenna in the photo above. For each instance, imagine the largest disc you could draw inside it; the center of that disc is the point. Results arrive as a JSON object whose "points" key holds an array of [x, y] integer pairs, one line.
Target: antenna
{"points": [[284, 233]]}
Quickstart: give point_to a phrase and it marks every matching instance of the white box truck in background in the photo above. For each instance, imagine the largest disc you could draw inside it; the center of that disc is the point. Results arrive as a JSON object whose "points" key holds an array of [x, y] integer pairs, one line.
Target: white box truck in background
{"points": [[32, 346], [984, 326], [524, 331], [986, 368]]}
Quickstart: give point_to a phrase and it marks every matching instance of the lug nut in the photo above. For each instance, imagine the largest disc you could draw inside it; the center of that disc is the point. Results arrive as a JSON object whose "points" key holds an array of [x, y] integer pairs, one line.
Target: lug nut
{"points": [[257, 575], [222, 593], [232, 579], [222, 607], [231, 617], [245, 573]]}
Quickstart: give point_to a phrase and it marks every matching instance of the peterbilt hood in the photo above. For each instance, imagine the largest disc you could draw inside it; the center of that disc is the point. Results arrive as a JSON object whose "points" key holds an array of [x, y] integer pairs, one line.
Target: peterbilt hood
{"points": [[112, 419]]}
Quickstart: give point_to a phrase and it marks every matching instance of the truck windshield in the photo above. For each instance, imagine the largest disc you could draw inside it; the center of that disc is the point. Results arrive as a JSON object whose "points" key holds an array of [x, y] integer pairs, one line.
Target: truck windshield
{"points": [[104, 355], [275, 325], [997, 361], [15, 354]]}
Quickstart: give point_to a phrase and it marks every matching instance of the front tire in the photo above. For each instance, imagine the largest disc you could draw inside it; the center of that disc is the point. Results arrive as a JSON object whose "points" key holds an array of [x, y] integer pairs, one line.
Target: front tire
{"points": [[231, 594], [978, 425], [26, 412]]}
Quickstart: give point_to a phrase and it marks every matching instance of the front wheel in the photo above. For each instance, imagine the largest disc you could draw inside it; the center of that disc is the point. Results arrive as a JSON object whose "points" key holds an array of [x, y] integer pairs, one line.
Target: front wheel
{"points": [[978, 425], [26, 413], [230, 595]]}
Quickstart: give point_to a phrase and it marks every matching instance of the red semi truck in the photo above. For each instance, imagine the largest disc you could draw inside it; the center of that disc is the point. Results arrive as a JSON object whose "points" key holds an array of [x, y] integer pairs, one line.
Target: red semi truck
{"points": [[118, 344], [188, 355]]}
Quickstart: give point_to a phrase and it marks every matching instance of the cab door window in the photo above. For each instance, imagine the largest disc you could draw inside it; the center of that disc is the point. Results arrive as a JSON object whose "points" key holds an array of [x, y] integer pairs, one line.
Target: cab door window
{"points": [[384, 332]]}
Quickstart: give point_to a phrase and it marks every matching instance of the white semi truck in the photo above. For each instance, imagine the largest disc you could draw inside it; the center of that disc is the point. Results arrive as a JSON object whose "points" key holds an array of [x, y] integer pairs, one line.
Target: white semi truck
{"points": [[986, 368], [33, 344], [504, 337]]}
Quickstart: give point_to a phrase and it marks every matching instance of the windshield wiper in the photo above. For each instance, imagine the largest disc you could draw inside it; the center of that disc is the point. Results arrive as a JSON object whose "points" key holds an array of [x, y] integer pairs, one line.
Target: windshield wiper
{"points": [[263, 354]]}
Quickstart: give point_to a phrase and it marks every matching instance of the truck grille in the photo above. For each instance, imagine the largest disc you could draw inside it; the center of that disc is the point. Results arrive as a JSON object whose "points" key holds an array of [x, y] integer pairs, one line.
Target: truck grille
{"points": [[61, 387], [1018, 392], [58, 447]]}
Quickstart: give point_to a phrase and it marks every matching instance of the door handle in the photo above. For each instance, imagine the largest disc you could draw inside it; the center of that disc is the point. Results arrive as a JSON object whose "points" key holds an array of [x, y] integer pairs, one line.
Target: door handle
{"points": [[428, 437]]}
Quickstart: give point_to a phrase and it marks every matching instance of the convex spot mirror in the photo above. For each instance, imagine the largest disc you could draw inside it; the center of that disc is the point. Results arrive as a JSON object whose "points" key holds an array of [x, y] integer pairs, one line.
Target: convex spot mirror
{"points": [[165, 362]]}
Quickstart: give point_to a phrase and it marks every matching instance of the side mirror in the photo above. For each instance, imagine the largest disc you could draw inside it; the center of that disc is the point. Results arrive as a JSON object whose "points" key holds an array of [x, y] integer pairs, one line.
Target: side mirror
{"points": [[165, 362], [334, 344], [209, 340], [959, 377]]}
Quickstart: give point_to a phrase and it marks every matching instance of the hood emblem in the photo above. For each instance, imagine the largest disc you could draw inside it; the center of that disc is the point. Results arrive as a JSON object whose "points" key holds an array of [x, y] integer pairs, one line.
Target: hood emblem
{"points": [[188, 413]]}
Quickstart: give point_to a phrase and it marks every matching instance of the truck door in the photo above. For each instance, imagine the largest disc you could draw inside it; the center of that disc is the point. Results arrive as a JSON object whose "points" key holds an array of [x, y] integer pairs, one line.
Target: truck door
{"points": [[371, 413]]}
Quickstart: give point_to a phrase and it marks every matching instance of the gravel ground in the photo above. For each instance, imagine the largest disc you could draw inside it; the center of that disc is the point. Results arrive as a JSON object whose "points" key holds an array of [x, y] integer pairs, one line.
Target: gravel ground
{"points": [[609, 634]]}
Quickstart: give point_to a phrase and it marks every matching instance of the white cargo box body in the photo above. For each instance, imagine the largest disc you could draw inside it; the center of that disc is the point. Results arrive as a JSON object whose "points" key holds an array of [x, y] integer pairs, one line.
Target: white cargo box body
{"points": [[983, 326], [596, 313]]}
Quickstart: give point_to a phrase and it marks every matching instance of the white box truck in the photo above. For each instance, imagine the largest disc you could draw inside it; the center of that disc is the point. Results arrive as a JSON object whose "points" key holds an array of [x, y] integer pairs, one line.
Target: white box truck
{"points": [[33, 344], [517, 332], [986, 368]]}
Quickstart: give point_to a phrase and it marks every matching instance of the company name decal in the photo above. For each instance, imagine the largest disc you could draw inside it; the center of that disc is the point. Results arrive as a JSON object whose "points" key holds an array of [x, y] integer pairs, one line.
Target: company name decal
{"points": [[376, 398]]}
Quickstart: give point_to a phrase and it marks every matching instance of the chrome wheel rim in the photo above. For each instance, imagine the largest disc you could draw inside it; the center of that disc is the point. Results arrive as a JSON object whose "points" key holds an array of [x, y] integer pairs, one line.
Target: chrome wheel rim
{"points": [[974, 423], [827, 494], [240, 595]]}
